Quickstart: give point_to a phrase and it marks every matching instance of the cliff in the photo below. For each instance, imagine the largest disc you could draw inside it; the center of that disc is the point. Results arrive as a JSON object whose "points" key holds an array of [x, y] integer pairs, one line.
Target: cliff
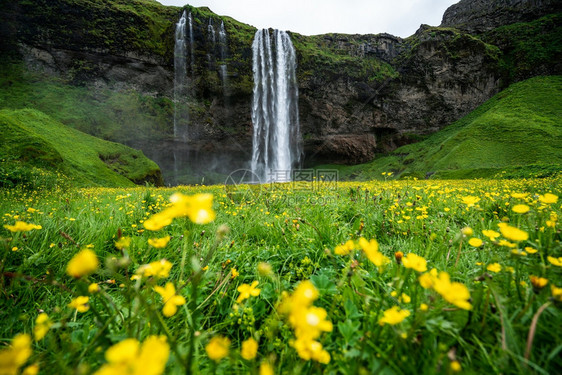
{"points": [[478, 16], [359, 94]]}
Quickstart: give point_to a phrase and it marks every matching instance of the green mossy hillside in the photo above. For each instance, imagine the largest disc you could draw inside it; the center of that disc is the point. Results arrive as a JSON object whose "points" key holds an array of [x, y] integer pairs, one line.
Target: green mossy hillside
{"points": [[529, 48], [37, 151], [120, 116], [516, 133]]}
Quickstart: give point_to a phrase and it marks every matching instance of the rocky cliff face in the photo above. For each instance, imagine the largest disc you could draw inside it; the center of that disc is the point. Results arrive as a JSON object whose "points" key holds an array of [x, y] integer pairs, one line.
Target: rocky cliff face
{"points": [[359, 94], [437, 75], [478, 16]]}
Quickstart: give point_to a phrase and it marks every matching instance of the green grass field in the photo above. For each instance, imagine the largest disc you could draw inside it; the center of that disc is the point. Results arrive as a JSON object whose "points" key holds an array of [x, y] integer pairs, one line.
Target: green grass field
{"points": [[483, 295], [516, 133]]}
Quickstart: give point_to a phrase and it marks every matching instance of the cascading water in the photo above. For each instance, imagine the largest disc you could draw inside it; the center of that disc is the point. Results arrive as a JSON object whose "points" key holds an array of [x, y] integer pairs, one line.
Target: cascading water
{"points": [[181, 96], [275, 115], [211, 36], [191, 46], [223, 53], [181, 115]]}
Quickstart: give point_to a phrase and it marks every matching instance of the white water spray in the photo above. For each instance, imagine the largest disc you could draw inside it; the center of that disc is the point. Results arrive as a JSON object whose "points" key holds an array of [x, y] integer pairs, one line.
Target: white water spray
{"points": [[275, 115]]}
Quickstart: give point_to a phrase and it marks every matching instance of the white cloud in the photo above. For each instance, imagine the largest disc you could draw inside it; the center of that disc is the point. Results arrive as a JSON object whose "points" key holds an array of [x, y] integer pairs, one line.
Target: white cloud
{"points": [[310, 17]]}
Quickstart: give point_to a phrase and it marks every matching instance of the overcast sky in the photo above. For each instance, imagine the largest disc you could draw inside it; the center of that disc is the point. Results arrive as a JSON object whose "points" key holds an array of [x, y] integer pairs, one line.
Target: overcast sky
{"points": [[310, 17]]}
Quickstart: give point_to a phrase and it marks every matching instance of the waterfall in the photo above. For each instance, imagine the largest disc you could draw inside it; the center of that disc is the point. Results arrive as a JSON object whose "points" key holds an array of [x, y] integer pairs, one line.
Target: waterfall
{"points": [[181, 114], [223, 53], [191, 46], [275, 115], [211, 36], [222, 42]]}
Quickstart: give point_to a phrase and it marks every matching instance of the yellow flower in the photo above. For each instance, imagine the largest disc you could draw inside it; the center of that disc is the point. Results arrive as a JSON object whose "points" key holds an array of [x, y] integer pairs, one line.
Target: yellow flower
{"points": [[234, 273], [21, 226], [371, 249], [427, 280], [305, 294], [415, 262], [520, 208], [264, 269], [555, 261], [519, 195], [494, 267], [405, 298], [308, 322], [345, 249], [171, 300], [158, 221], [80, 303], [506, 244], [548, 198], [93, 288], [266, 369], [453, 292], [538, 282], [82, 264], [249, 349], [154, 353], [424, 307], [32, 369], [491, 234], [198, 207], [530, 250], [312, 323], [556, 293], [15, 356], [159, 243], [456, 366], [130, 357], [124, 351], [248, 290], [42, 326], [309, 349], [398, 255], [467, 231], [217, 348], [476, 242], [470, 200], [123, 243], [159, 269], [514, 234], [393, 316]]}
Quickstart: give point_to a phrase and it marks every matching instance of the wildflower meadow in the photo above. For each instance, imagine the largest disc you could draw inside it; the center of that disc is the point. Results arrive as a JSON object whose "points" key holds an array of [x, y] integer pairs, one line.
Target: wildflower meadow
{"points": [[389, 277]]}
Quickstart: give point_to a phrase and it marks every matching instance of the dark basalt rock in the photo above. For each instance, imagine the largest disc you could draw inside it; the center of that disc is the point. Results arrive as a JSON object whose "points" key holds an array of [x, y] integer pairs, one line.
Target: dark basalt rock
{"points": [[477, 16]]}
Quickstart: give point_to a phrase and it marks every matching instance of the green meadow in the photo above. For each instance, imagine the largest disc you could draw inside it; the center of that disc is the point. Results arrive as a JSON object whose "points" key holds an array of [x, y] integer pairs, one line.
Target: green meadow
{"points": [[392, 277]]}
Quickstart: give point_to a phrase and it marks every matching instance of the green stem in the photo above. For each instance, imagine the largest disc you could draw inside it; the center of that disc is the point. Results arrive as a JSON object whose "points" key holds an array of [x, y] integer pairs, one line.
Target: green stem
{"points": [[517, 281], [194, 315]]}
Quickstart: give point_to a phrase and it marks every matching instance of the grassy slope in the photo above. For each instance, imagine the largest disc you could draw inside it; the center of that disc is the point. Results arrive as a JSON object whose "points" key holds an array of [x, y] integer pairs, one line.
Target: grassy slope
{"points": [[518, 130], [103, 113], [30, 139]]}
